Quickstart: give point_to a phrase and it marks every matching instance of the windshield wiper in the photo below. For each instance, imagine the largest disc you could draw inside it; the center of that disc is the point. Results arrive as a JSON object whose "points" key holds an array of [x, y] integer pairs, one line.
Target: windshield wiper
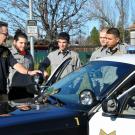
{"points": [[55, 100]]}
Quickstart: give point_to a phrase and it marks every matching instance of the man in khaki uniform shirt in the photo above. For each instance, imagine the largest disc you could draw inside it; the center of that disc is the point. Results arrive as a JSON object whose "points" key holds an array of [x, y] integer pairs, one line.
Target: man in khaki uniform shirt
{"points": [[55, 58], [114, 45], [100, 51]]}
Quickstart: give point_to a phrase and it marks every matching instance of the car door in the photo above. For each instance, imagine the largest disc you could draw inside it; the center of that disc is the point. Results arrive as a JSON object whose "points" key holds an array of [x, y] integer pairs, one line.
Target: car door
{"points": [[56, 75], [121, 123]]}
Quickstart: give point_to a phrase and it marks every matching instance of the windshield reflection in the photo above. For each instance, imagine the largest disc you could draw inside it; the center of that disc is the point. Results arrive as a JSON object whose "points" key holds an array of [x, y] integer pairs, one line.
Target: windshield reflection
{"points": [[97, 76]]}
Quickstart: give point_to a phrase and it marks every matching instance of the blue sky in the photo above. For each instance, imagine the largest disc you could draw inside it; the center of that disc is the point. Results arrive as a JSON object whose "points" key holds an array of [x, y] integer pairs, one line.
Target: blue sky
{"points": [[86, 29], [89, 26]]}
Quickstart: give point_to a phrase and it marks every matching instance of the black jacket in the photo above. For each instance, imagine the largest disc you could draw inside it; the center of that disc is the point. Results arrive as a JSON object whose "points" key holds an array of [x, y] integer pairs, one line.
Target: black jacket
{"points": [[6, 60]]}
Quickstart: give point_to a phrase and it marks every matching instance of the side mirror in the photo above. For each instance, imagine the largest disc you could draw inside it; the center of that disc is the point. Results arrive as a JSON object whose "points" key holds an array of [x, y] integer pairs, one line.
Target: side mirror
{"points": [[87, 97], [110, 106]]}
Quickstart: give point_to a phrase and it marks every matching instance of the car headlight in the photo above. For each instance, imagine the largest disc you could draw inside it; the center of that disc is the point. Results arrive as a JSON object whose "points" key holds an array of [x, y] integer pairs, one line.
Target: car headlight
{"points": [[86, 97]]}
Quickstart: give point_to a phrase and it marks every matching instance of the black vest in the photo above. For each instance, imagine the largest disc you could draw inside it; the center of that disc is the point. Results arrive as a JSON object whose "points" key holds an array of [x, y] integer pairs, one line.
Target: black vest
{"points": [[4, 68]]}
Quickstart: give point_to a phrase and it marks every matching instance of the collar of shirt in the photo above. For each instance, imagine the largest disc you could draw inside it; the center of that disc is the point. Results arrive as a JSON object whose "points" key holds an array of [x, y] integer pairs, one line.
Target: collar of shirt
{"points": [[65, 53], [15, 51], [113, 50], [103, 48]]}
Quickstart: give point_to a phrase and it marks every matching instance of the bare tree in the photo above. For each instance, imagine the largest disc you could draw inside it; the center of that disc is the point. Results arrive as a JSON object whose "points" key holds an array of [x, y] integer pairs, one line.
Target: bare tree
{"points": [[12, 14], [100, 10], [110, 13], [53, 15], [123, 8], [60, 15], [132, 10]]}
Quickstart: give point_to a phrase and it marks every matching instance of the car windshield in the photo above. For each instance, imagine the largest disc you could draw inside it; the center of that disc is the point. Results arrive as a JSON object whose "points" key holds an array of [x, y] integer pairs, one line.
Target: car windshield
{"points": [[98, 76]]}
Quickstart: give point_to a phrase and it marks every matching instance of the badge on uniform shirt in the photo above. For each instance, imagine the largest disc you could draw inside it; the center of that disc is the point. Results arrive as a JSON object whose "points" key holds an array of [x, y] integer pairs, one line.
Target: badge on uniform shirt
{"points": [[5, 54]]}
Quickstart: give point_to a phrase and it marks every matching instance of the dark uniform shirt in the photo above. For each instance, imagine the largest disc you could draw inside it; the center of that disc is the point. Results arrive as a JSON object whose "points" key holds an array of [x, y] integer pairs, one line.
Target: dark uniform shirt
{"points": [[6, 60]]}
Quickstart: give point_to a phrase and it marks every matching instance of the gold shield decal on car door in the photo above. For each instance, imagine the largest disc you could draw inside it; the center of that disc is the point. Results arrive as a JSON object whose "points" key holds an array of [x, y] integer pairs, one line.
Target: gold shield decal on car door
{"points": [[102, 132]]}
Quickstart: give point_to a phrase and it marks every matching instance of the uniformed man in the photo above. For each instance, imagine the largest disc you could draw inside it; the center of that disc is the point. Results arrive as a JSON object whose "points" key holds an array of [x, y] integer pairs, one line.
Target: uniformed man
{"points": [[55, 58], [7, 60], [100, 51], [114, 45]]}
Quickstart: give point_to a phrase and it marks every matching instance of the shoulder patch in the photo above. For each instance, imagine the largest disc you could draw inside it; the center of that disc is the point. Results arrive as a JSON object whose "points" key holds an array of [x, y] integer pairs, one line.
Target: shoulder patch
{"points": [[4, 52]]}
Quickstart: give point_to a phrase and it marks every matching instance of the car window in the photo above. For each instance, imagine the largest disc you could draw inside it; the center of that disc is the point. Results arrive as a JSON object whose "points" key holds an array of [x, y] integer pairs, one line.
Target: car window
{"points": [[100, 77], [104, 77], [97, 79], [126, 85]]}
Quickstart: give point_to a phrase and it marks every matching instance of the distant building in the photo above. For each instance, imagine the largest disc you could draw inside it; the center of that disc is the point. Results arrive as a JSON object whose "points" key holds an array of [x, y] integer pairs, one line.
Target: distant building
{"points": [[132, 34]]}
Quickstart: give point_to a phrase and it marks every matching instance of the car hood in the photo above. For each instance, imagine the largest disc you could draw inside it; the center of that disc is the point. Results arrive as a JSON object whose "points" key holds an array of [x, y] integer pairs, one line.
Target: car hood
{"points": [[72, 102], [43, 117], [47, 110]]}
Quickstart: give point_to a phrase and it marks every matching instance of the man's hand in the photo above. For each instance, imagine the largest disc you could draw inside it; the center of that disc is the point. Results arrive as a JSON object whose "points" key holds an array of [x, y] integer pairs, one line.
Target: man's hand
{"points": [[34, 72], [24, 107]]}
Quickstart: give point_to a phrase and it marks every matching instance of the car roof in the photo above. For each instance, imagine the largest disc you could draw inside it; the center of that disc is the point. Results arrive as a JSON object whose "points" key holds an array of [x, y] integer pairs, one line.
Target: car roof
{"points": [[123, 58]]}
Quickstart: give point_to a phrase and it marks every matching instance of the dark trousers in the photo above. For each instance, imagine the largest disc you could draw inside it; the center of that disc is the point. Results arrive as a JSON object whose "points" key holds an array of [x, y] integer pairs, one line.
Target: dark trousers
{"points": [[19, 93]]}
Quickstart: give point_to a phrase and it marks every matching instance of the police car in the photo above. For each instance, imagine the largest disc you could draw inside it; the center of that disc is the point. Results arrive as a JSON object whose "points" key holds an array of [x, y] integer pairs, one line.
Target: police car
{"points": [[63, 107], [116, 114]]}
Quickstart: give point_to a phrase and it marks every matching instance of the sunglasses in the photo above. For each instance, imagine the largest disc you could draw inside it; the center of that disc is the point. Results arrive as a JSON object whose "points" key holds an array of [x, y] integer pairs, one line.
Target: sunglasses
{"points": [[5, 34]]}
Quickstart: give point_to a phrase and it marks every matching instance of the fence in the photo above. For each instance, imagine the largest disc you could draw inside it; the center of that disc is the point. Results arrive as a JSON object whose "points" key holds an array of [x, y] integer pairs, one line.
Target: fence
{"points": [[41, 54]]}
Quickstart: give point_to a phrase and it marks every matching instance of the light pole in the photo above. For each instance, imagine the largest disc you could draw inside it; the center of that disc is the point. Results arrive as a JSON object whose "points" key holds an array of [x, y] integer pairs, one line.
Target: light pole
{"points": [[31, 38]]}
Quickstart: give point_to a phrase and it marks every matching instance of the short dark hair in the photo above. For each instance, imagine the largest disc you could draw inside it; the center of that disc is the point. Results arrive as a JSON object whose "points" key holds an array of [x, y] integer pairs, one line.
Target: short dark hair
{"points": [[113, 31], [64, 35], [19, 33], [3, 24]]}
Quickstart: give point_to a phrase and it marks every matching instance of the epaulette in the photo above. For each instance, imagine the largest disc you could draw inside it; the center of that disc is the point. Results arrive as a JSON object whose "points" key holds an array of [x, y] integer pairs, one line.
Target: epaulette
{"points": [[124, 44], [97, 48]]}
